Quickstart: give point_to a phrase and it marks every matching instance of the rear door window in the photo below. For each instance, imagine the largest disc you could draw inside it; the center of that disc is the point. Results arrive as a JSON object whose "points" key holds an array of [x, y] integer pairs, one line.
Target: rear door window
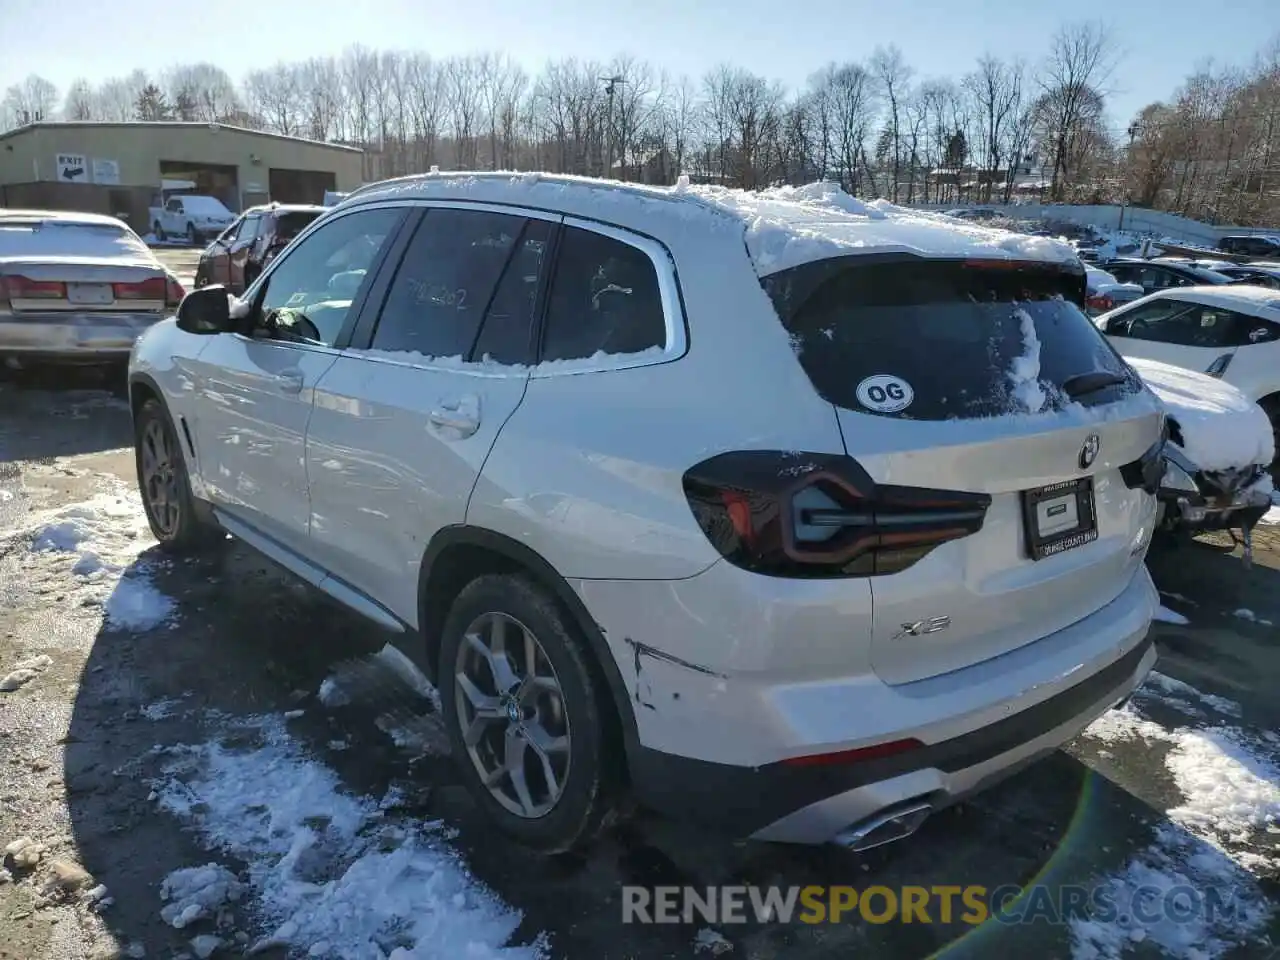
{"points": [[445, 282], [962, 335], [506, 335], [605, 299]]}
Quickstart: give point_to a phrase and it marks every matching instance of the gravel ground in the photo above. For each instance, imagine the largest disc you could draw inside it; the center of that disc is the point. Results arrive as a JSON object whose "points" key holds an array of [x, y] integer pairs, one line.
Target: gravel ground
{"points": [[149, 686]]}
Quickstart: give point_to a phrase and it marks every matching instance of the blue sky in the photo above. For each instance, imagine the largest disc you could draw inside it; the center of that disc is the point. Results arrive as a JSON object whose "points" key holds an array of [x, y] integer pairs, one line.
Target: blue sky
{"points": [[1160, 41]]}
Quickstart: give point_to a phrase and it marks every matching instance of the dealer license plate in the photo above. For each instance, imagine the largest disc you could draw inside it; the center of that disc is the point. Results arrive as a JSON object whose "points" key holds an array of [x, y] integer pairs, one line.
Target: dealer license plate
{"points": [[1059, 517]]}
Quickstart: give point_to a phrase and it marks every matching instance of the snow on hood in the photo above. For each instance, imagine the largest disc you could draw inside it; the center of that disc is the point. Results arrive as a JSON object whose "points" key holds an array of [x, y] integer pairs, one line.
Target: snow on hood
{"points": [[1221, 428]]}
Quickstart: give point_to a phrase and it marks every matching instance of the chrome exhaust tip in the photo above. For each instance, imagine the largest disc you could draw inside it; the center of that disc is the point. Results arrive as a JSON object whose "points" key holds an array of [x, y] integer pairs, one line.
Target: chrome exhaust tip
{"points": [[895, 823]]}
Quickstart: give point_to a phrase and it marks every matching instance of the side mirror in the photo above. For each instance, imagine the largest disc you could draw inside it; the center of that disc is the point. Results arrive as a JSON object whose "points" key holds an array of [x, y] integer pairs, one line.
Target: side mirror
{"points": [[205, 311]]}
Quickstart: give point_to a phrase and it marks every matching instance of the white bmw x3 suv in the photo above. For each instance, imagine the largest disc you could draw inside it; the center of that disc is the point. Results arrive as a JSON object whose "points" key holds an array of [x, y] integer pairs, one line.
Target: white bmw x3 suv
{"points": [[798, 516]]}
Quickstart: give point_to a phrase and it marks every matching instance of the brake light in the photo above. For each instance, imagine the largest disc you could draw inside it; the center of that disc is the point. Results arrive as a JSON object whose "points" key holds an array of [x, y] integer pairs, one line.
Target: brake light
{"points": [[1102, 303], [150, 289], [820, 515], [24, 288]]}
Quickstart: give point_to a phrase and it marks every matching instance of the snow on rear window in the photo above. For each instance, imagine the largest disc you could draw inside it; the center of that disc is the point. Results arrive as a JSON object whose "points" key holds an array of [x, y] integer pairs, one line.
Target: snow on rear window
{"points": [[54, 238], [970, 340]]}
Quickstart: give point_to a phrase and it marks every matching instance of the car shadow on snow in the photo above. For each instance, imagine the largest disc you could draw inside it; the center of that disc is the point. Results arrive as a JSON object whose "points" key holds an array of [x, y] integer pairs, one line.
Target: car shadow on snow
{"points": [[63, 411], [248, 641]]}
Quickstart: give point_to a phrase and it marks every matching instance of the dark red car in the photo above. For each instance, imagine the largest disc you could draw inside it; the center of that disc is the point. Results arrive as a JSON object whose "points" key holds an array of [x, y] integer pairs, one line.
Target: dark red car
{"points": [[238, 255]]}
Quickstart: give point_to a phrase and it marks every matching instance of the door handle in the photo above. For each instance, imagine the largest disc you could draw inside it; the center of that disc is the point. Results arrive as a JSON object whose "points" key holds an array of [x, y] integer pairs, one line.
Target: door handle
{"points": [[290, 381]]}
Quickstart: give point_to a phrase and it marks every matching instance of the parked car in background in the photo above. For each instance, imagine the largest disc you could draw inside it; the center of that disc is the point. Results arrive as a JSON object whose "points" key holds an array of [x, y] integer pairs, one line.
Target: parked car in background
{"points": [[1251, 246], [1231, 333], [1219, 454], [332, 198], [76, 287], [1104, 292], [190, 216], [1218, 266], [1259, 274], [519, 422], [1153, 275], [238, 255]]}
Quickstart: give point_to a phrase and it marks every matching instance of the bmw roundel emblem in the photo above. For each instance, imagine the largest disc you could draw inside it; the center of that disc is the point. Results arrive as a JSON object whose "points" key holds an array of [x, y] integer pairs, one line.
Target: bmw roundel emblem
{"points": [[1089, 452]]}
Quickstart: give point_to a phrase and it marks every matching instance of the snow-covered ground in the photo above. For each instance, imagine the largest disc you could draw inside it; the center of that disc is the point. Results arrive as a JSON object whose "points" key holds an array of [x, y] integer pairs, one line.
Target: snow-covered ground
{"points": [[1221, 834], [327, 873], [97, 545]]}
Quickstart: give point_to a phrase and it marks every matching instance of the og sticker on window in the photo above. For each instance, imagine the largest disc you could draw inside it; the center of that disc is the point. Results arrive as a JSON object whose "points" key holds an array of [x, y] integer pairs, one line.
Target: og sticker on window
{"points": [[885, 393]]}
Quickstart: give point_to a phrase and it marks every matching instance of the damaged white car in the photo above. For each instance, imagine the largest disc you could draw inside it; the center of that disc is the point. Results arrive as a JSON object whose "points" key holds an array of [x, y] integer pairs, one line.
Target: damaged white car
{"points": [[1219, 453]]}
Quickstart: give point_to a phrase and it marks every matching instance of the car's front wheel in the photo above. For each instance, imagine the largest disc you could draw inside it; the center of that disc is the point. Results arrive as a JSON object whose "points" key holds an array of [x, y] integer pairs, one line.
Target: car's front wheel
{"points": [[166, 494], [525, 718]]}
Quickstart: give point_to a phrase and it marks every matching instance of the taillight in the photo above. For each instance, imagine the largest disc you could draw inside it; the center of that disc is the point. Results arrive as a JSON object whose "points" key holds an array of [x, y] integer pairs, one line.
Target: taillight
{"points": [[820, 515], [173, 293], [24, 288], [151, 289], [1102, 303]]}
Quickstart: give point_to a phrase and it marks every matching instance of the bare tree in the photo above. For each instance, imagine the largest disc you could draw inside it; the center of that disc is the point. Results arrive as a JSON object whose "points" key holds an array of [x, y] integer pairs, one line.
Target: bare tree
{"points": [[80, 102], [201, 91], [321, 92], [34, 98], [1072, 80], [894, 76], [996, 88], [426, 91], [463, 95], [276, 95], [846, 100]]}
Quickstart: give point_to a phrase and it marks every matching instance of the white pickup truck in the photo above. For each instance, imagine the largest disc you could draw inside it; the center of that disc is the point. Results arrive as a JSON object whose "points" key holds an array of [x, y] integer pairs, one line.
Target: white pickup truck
{"points": [[190, 216]]}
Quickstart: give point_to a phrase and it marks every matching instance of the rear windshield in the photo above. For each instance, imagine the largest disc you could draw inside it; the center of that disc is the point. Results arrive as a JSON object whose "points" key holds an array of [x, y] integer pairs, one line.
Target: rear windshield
{"points": [[55, 238], [954, 339], [289, 225]]}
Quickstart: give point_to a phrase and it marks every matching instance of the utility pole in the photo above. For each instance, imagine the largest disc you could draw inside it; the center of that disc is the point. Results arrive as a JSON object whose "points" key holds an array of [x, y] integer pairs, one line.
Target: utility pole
{"points": [[610, 85], [1128, 157]]}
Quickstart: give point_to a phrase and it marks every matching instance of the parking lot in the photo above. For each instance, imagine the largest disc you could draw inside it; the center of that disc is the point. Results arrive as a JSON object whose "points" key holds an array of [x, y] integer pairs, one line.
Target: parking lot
{"points": [[156, 690]]}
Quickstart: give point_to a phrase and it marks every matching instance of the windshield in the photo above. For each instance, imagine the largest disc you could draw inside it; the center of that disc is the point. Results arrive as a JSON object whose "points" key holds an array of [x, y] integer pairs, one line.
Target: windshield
{"points": [[972, 340]]}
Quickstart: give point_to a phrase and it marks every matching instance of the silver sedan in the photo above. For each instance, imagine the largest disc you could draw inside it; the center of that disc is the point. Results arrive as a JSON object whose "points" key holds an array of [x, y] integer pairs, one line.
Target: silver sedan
{"points": [[76, 287]]}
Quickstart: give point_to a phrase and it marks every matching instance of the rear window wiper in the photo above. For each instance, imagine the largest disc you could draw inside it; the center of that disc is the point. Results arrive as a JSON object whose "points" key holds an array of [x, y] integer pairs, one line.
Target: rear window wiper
{"points": [[1091, 382]]}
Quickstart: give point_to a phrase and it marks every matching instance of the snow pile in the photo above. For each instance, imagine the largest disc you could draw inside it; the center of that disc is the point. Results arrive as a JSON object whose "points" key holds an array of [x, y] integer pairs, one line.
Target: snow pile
{"points": [[1221, 428], [103, 538], [330, 874], [1024, 374], [1231, 802], [1172, 871], [195, 893], [24, 671], [1230, 787]]}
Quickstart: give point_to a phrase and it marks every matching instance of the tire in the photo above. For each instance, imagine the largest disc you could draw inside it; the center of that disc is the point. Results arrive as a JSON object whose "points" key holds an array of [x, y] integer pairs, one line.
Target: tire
{"points": [[159, 231], [588, 765], [193, 238], [185, 528]]}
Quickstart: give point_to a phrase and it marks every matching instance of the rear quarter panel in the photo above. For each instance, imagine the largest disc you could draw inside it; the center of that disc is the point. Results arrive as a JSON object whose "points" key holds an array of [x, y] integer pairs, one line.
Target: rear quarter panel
{"points": [[588, 470]]}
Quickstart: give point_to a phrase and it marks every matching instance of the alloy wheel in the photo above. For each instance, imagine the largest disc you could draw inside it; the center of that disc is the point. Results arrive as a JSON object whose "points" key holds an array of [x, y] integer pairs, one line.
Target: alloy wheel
{"points": [[512, 716], [160, 477]]}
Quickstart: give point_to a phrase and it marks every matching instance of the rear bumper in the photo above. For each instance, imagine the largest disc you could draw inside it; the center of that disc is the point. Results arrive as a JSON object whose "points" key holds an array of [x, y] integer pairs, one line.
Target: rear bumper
{"points": [[974, 725], [73, 336]]}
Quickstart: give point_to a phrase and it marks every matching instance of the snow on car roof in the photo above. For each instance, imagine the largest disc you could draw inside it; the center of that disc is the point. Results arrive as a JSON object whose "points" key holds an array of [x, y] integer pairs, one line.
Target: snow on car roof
{"points": [[1255, 300], [1220, 427], [784, 226]]}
